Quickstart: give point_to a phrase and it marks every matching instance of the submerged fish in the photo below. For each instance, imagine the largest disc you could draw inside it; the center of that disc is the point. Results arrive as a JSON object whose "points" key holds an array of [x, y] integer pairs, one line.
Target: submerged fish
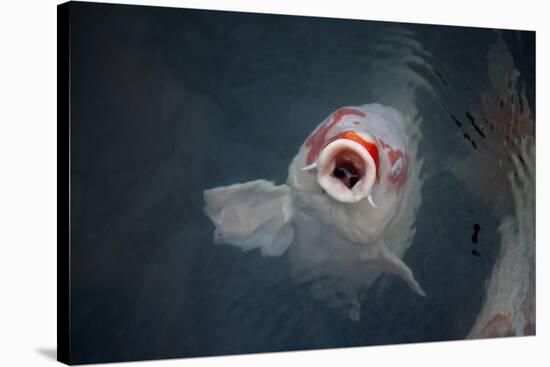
{"points": [[341, 203]]}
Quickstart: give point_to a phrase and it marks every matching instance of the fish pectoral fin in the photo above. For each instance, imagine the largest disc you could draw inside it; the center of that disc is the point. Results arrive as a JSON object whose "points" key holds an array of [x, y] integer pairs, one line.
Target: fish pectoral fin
{"points": [[280, 241], [251, 215], [390, 262]]}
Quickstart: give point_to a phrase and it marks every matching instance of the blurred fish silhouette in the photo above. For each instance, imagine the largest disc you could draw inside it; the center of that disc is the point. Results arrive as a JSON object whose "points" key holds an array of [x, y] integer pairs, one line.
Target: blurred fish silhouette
{"points": [[343, 197]]}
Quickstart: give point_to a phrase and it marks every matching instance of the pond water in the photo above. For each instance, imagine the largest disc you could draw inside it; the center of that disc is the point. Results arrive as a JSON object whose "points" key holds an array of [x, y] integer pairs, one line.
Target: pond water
{"points": [[168, 102]]}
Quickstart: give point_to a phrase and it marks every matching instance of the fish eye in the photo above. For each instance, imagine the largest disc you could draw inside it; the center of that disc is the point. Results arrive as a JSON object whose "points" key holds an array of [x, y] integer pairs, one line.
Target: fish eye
{"points": [[397, 166]]}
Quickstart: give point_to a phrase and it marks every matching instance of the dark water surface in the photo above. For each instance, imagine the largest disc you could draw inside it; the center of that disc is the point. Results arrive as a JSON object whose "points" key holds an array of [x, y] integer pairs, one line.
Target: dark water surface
{"points": [[167, 102]]}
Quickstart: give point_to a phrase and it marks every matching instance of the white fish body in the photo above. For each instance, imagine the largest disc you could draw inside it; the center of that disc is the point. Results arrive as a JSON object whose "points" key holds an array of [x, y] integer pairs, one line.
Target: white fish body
{"points": [[341, 209]]}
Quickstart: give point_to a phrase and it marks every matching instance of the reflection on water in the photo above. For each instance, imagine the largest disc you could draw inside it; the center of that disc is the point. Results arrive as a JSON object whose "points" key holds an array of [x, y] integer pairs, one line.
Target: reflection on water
{"points": [[167, 103]]}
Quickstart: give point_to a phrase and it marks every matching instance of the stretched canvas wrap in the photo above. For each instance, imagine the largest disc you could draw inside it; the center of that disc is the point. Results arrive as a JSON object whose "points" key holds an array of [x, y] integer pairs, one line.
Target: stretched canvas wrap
{"points": [[237, 183]]}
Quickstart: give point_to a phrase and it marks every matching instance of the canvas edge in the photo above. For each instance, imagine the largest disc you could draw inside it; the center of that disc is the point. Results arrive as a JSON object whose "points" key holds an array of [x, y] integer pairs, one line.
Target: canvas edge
{"points": [[63, 183]]}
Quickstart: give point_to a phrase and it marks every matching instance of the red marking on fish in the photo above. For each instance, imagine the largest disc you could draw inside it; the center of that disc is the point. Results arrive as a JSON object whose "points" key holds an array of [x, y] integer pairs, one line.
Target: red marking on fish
{"points": [[318, 140], [498, 326], [394, 155]]}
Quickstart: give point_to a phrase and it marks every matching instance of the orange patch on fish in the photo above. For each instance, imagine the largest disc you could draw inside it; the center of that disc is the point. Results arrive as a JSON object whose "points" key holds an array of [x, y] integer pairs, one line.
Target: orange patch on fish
{"points": [[393, 156], [319, 140], [498, 326]]}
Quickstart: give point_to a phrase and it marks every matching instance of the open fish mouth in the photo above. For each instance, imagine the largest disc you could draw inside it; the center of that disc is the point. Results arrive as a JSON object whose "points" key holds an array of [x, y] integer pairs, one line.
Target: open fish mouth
{"points": [[346, 171], [349, 168]]}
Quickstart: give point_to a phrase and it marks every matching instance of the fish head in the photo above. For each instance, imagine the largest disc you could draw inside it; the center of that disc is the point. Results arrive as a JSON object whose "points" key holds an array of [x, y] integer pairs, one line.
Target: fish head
{"points": [[357, 153]]}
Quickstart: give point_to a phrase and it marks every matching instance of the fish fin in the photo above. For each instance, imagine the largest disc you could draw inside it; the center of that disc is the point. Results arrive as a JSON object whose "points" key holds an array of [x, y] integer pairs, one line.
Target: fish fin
{"points": [[280, 242], [251, 215], [390, 262], [310, 167]]}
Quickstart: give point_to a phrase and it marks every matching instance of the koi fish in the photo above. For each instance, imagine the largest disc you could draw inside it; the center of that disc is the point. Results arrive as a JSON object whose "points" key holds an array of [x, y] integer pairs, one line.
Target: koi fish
{"points": [[342, 200], [509, 305]]}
